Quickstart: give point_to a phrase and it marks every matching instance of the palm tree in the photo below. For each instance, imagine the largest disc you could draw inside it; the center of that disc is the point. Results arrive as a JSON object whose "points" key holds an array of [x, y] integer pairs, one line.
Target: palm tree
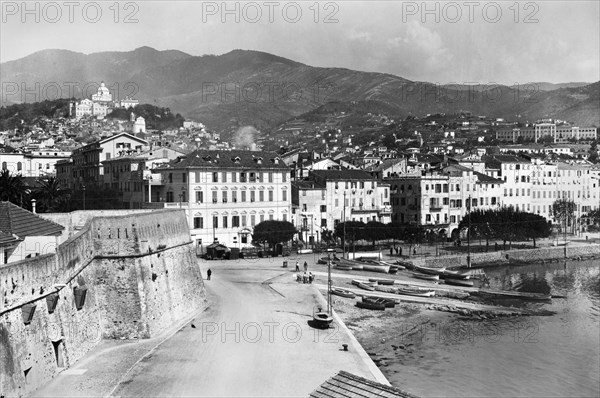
{"points": [[51, 196], [13, 188]]}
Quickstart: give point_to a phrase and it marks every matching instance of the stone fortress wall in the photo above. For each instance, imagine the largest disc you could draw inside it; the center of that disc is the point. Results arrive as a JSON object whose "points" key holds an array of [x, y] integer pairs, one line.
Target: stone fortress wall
{"points": [[138, 274]]}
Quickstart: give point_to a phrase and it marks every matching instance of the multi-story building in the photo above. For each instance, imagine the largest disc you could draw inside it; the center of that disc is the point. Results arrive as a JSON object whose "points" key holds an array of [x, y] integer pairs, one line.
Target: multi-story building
{"points": [[439, 199], [579, 183], [131, 175], [226, 193], [328, 197], [33, 164], [87, 160], [559, 134], [516, 172]]}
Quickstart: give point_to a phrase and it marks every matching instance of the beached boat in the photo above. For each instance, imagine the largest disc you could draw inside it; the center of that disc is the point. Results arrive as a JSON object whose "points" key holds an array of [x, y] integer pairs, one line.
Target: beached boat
{"points": [[385, 269], [426, 277], [342, 292], [382, 281], [429, 271], [396, 266], [515, 295], [454, 274], [356, 282], [370, 305], [388, 303], [343, 267], [322, 320], [366, 286], [458, 282], [416, 292]]}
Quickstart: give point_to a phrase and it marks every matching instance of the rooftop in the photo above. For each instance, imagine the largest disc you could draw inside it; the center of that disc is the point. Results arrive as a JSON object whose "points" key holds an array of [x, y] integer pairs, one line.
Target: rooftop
{"points": [[234, 159], [348, 385], [17, 221]]}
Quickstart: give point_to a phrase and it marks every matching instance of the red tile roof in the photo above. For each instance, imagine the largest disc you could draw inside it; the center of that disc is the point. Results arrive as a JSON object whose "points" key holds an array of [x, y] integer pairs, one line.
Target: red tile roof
{"points": [[20, 222]]}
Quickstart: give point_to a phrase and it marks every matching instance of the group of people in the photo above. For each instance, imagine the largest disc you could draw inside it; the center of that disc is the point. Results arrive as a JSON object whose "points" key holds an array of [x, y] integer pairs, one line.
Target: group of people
{"points": [[307, 277], [397, 249]]}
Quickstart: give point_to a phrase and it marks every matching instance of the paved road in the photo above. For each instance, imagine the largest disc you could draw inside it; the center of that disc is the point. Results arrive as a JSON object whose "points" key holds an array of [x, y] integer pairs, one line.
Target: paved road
{"points": [[254, 340]]}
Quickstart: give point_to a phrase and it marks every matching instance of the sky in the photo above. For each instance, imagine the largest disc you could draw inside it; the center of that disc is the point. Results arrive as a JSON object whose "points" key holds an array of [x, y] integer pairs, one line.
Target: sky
{"points": [[466, 42]]}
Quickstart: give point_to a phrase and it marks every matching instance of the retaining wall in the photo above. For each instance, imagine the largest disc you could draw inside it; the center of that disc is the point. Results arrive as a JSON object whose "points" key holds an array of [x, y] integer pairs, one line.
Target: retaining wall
{"points": [[141, 276]]}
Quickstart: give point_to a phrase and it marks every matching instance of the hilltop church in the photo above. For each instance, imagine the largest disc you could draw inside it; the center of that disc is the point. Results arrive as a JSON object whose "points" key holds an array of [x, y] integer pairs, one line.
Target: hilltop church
{"points": [[100, 105]]}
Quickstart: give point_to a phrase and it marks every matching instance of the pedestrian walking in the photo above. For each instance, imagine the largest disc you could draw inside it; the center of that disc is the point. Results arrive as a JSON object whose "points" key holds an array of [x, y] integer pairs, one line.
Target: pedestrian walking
{"points": [[305, 266], [297, 265], [208, 273], [395, 248], [391, 251], [305, 277], [400, 251]]}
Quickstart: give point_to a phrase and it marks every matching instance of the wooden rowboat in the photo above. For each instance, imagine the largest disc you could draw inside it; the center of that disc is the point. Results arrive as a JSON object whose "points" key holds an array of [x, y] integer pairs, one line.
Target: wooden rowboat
{"points": [[454, 275], [429, 271], [366, 286], [381, 281], [385, 269], [342, 292], [322, 320], [415, 292], [458, 282], [426, 277], [512, 294], [370, 305], [343, 267], [356, 282], [388, 303]]}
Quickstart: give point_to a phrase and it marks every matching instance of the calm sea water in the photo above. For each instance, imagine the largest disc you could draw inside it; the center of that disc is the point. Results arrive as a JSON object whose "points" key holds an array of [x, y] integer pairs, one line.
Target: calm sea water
{"points": [[541, 356]]}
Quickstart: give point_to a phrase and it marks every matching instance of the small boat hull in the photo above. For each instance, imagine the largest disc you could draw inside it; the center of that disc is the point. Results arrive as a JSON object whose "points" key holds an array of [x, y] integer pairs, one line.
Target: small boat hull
{"points": [[343, 267], [384, 269], [417, 293], [366, 286], [370, 305], [322, 320], [429, 271], [342, 292], [381, 281], [458, 282], [388, 303], [426, 277]]}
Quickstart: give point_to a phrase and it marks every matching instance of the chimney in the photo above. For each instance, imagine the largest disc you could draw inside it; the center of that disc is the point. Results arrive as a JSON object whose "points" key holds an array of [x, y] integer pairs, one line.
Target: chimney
{"points": [[33, 206]]}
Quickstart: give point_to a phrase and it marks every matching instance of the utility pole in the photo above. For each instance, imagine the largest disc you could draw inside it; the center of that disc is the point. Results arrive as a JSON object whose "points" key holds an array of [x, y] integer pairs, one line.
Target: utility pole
{"points": [[469, 234], [344, 239]]}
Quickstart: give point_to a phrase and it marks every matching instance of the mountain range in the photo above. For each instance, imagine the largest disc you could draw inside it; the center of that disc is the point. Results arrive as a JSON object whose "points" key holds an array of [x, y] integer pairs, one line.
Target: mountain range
{"points": [[245, 87]]}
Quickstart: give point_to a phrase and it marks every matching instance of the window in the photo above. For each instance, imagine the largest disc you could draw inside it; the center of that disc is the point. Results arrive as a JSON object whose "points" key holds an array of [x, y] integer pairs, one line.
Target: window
{"points": [[170, 197], [243, 196], [170, 177], [261, 196], [252, 196], [270, 216], [252, 220], [215, 222], [323, 222], [262, 217], [197, 177], [243, 220], [323, 209], [284, 217], [198, 223], [284, 177], [270, 196], [224, 176], [224, 221], [235, 221], [234, 196], [224, 196], [215, 176], [184, 177], [234, 176], [270, 176], [214, 196], [242, 177], [284, 195], [199, 197]]}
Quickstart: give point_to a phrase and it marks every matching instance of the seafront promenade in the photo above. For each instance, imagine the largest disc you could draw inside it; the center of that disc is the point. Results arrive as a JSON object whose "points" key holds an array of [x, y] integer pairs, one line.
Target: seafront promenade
{"points": [[253, 340]]}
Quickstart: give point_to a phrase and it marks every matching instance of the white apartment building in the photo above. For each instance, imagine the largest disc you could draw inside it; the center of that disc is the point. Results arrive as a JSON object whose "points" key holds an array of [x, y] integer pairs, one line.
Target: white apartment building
{"points": [[329, 197], [226, 193], [516, 173], [33, 164]]}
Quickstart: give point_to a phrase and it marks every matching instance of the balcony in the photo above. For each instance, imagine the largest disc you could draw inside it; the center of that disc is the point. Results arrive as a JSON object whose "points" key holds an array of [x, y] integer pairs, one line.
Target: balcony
{"points": [[435, 208]]}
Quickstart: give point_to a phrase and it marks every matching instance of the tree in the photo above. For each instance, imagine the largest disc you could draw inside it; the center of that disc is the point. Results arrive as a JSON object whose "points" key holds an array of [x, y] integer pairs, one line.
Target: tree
{"points": [[593, 153], [13, 188], [413, 235], [535, 226], [273, 232], [51, 197], [355, 230], [374, 231], [563, 211]]}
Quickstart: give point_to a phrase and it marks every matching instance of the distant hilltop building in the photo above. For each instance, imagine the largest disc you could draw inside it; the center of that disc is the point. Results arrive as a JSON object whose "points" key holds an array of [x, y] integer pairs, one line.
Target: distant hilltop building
{"points": [[559, 134], [100, 105], [140, 125]]}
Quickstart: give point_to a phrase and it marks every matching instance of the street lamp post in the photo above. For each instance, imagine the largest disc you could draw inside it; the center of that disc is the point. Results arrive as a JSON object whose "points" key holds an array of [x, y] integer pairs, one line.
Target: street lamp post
{"points": [[83, 189], [344, 239]]}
